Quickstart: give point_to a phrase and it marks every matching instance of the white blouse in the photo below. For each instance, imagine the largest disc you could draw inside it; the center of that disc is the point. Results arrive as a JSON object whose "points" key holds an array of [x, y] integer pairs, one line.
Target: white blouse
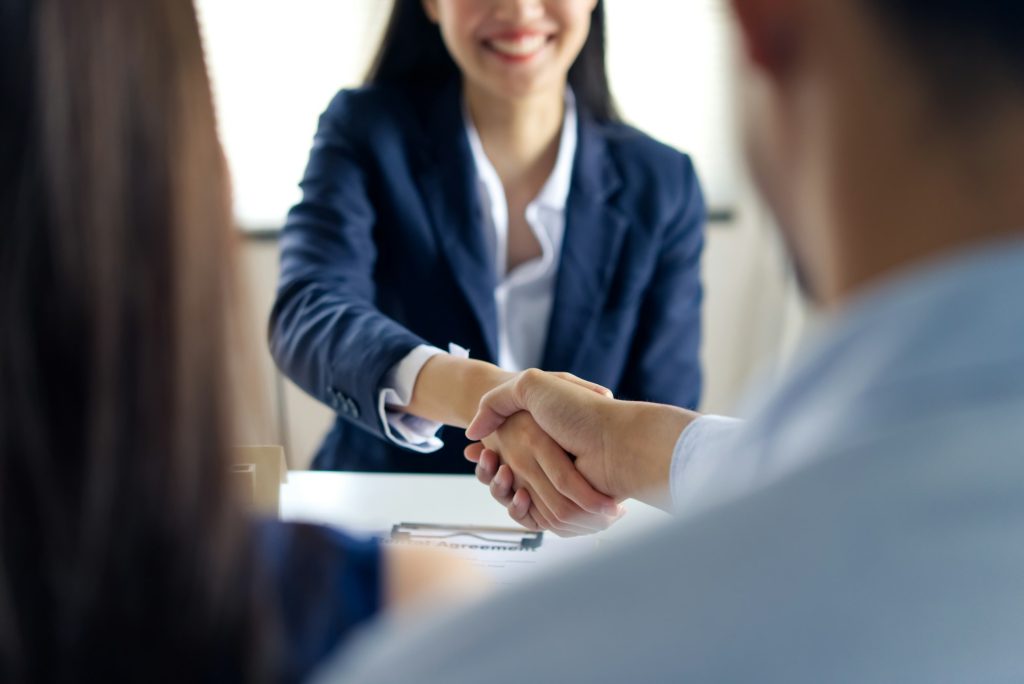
{"points": [[524, 296]]}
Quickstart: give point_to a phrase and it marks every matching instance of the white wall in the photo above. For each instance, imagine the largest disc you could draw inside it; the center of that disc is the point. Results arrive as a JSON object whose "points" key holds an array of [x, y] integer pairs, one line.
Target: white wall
{"points": [[275, 66], [669, 63]]}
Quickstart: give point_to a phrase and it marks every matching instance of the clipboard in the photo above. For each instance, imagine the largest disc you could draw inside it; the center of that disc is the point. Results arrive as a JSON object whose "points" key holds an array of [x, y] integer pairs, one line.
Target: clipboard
{"points": [[512, 537]]}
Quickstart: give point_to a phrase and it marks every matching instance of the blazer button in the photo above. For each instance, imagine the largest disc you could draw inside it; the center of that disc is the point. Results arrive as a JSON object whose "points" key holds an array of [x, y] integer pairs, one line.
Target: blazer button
{"points": [[351, 407], [334, 399]]}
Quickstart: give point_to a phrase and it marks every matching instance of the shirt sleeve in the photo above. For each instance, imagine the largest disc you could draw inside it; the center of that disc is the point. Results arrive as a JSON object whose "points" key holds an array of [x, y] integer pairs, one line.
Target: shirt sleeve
{"points": [[404, 429], [703, 439]]}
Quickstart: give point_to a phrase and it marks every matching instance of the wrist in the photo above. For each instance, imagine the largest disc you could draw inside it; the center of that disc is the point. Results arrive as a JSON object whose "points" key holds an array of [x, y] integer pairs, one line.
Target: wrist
{"points": [[448, 389], [645, 437], [475, 379]]}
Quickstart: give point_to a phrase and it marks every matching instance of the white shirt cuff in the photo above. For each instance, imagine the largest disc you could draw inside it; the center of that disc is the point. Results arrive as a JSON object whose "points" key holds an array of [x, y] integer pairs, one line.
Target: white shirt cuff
{"points": [[701, 440], [404, 429]]}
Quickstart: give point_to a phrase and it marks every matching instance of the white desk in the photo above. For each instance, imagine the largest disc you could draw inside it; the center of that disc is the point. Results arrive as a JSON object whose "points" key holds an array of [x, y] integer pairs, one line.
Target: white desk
{"points": [[369, 503]]}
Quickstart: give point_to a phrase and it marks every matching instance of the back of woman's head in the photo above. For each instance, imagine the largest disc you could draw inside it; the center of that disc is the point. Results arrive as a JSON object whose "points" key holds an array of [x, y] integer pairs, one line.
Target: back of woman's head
{"points": [[119, 544]]}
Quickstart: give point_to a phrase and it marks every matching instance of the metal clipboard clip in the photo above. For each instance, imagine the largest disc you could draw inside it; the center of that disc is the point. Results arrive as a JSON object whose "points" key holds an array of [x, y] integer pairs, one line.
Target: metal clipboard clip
{"points": [[510, 537]]}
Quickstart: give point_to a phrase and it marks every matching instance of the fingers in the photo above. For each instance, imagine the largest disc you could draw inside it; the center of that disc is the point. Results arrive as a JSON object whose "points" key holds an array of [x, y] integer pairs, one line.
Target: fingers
{"points": [[521, 508], [487, 466], [550, 509], [520, 511], [501, 486], [560, 515], [560, 471], [472, 452], [562, 499], [539, 512], [495, 407], [546, 520], [490, 471], [501, 480]]}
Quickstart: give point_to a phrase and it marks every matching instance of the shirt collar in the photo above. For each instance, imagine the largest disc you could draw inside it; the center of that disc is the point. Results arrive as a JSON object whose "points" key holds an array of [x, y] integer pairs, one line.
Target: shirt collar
{"points": [[935, 316]]}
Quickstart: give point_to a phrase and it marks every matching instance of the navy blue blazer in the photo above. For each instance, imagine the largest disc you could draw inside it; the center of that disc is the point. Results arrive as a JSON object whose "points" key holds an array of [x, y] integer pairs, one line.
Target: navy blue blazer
{"points": [[386, 251], [321, 585]]}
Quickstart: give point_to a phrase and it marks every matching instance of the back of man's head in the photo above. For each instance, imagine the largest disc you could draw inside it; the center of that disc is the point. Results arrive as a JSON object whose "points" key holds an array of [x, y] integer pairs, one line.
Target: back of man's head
{"points": [[968, 48], [883, 133]]}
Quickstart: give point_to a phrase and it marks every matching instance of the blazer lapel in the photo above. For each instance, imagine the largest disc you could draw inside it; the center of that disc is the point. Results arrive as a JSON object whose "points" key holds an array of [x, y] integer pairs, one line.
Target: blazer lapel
{"points": [[594, 230], [448, 179]]}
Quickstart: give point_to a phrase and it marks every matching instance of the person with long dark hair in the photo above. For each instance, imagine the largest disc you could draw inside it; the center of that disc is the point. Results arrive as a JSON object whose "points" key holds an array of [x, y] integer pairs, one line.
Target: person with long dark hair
{"points": [[124, 554], [480, 193]]}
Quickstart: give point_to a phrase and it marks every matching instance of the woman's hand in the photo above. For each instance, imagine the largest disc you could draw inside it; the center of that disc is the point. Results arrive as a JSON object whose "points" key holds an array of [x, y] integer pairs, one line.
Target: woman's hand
{"points": [[532, 463]]}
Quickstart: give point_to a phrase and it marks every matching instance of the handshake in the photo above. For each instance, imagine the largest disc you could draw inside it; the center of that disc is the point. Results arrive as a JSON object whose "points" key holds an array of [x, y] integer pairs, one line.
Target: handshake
{"points": [[561, 454]]}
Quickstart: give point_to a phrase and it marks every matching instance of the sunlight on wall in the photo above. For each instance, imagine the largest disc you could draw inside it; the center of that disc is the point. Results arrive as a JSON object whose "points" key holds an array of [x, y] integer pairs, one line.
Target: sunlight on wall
{"points": [[669, 62], [275, 66]]}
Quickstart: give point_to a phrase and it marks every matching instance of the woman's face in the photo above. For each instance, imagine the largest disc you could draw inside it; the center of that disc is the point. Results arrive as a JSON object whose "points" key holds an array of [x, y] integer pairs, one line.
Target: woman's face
{"points": [[513, 48]]}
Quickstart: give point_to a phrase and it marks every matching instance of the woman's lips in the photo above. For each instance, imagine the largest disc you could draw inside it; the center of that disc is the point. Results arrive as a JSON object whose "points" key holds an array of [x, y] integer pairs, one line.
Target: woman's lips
{"points": [[518, 47]]}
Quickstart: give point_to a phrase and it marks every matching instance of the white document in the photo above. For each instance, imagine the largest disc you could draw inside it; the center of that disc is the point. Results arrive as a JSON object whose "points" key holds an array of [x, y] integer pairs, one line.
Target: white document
{"points": [[505, 555]]}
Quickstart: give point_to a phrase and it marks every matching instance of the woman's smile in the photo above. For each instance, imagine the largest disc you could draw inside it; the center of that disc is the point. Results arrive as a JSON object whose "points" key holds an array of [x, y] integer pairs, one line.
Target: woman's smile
{"points": [[518, 46]]}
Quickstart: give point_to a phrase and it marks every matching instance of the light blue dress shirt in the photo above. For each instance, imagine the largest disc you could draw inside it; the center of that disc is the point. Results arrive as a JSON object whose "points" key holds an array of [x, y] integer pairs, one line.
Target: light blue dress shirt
{"points": [[865, 525]]}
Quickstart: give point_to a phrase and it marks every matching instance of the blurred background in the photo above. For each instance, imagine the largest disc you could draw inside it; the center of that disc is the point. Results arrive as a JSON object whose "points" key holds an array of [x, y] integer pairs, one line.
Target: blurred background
{"points": [[275, 66]]}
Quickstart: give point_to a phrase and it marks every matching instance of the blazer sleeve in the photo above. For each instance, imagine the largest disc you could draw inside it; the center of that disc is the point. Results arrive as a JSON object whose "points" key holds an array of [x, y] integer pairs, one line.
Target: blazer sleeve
{"points": [[664, 360], [326, 333]]}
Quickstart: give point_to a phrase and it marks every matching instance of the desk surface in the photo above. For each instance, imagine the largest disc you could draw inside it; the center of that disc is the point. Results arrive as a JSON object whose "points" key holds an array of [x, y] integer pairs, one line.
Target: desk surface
{"points": [[370, 503]]}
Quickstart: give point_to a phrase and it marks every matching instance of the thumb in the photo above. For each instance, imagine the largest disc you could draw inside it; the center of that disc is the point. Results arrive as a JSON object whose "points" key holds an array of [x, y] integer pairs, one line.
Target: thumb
{"points": [[495, 407], [501, 402]]}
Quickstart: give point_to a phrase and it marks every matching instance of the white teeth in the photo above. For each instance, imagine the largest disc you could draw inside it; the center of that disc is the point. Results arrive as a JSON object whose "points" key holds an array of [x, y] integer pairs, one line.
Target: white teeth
{"points": [[519, 47]]}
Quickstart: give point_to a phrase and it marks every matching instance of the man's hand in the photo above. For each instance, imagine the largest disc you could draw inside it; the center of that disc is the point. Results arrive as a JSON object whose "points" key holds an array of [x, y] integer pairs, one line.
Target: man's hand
{"points": [[622, 448], [532, 463], [571, 414]]}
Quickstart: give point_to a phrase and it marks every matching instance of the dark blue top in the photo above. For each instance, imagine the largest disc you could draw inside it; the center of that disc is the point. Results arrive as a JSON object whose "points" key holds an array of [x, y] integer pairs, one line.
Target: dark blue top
{"points": [[325, 584], [387, 251]]}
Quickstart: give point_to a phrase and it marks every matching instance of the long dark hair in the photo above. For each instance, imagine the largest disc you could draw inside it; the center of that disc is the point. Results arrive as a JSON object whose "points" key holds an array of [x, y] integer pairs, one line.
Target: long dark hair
{"points": [[122, 550], [413, 53]]}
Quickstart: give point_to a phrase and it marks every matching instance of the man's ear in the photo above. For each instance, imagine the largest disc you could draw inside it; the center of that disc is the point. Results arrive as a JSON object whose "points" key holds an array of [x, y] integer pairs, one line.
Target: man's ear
{"points": [[430, 8], [770, 32]]}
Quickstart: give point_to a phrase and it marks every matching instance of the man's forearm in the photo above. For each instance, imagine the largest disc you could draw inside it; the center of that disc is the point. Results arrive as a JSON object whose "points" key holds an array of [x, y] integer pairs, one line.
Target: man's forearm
{"points": [[640, 440]]}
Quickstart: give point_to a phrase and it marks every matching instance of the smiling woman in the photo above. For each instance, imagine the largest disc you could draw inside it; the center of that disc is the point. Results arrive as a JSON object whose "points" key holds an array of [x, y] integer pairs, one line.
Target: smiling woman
{"points": [[464, 35], [523, 49], [258, 50], [479, 193]]}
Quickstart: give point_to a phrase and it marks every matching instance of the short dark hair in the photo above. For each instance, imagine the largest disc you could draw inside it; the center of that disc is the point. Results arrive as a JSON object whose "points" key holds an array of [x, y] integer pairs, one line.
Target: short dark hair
{"points": [[412, 53], [968, 45]]}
